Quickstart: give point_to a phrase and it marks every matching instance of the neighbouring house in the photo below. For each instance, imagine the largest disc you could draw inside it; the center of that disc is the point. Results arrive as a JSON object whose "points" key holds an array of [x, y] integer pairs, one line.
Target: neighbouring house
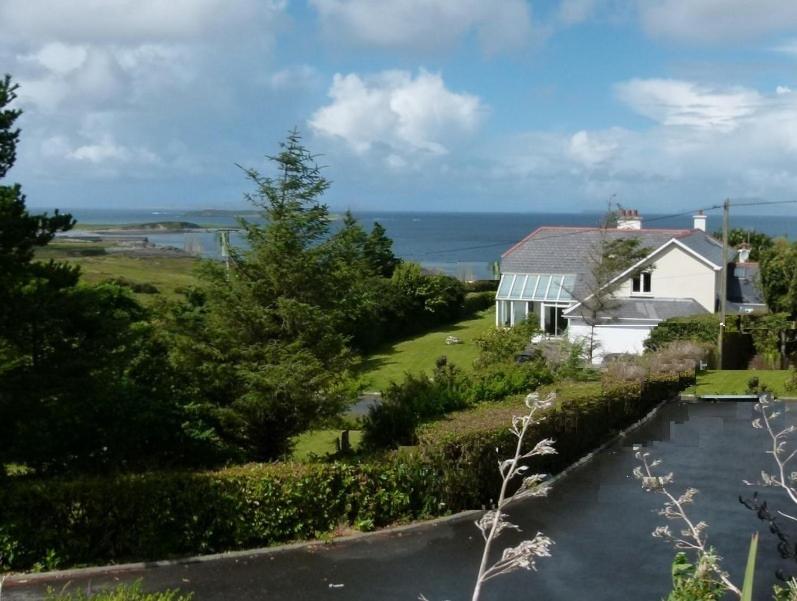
{"points": [[548, 273]]}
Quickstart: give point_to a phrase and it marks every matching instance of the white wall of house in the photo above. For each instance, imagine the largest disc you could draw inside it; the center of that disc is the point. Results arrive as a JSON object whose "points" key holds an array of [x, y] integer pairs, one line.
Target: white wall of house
{"points": [[622, 337], [677, 273]]}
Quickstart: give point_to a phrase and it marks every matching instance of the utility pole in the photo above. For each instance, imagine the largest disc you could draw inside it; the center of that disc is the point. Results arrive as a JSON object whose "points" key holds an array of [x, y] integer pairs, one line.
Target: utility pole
{"points": [[726, 206], [224, 239]]}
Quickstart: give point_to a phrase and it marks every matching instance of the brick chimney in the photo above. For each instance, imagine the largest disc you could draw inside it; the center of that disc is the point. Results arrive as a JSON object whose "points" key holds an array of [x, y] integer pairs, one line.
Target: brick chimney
{"points": [[629, 219], [699, 221]]}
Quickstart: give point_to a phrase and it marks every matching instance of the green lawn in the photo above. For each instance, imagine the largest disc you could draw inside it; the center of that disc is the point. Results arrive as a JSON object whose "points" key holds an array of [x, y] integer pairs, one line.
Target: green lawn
{"points": [[735, 381], [168, 274], [419, 354], [321, 442]]}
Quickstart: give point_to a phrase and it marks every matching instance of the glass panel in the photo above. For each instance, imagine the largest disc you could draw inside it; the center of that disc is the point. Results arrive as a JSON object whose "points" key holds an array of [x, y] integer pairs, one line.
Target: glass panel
{"points": [[505, 285], [567, 288], [528, 289], [556, 288], [517, 286], [545, 281]]}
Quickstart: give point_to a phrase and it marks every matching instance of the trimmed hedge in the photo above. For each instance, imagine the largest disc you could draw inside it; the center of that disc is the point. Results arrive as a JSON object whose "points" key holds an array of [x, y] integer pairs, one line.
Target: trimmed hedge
{"points": [[59, 522], [463, 447]]}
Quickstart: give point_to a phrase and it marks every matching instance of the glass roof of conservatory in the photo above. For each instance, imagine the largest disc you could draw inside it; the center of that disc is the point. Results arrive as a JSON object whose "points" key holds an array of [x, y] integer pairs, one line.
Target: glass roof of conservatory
{"points": [[549, 287]]}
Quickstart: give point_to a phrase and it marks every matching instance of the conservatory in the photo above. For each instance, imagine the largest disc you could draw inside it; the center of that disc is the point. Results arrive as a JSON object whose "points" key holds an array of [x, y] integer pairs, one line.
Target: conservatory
{"points": [[547, 295]]}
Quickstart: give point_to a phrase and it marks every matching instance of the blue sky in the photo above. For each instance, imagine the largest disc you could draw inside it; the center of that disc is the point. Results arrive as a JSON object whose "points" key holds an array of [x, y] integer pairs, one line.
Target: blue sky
{"points": [[444, 105]]}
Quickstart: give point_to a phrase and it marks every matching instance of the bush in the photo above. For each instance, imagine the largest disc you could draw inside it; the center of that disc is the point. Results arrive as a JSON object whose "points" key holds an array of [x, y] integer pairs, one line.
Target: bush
{"points": [[478, 301], [120, 593], [157, 515], [699, 328], [498, 381], [139, 287], [464, 448], [407, 404]]}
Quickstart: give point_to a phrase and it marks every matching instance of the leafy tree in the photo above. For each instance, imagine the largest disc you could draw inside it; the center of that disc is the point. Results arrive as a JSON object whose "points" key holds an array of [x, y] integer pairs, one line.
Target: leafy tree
{"points": [[82, 382], [379, 251], [425, 300], [779, 276], [263, 342], [759, 242]]}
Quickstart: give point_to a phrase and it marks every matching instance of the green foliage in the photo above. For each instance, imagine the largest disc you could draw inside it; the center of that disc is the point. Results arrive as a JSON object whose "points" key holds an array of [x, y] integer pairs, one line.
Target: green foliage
{"points": [[85, 383], [759, 242], [407, 404], [164, 514], [497, 381], [790, 383], [749, 572], [263, 343], [779, 276], [119, 593], [698, 328], [694, 582], [478, 301], [424, 301], [500, 345]]}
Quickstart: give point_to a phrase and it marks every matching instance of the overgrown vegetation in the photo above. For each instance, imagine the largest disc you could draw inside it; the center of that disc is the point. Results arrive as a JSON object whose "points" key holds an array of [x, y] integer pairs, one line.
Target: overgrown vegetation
{"points": [[119, 593]]}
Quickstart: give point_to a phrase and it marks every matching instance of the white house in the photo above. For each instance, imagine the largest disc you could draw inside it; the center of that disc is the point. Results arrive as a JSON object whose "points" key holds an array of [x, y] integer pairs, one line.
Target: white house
{"points": [[548, 274]]}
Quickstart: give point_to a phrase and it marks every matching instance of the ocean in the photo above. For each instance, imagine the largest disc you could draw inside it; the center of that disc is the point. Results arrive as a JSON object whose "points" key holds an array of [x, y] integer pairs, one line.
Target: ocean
{"points": [[460, 244]]}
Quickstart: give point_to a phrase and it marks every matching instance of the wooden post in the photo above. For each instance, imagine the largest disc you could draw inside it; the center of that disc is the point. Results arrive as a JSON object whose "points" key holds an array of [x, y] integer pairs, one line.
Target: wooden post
{"points": [[723, 280]]}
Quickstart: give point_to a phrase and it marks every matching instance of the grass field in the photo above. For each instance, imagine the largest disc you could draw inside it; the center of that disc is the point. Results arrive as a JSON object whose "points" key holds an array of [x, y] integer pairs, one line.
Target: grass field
{"points": [[419, 354], [735, 381], [321, 442], [168, 274]]}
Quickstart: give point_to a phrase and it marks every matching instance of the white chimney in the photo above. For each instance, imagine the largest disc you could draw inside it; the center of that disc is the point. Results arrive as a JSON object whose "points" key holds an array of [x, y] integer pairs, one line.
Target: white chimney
{"points": [[700, 221], [743, 253], [629, 219]]}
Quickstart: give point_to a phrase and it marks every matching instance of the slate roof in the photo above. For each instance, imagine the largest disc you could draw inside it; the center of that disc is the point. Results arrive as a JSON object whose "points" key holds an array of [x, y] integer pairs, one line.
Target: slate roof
{"points": [[567, 250], [657, 309], [743, 285]]}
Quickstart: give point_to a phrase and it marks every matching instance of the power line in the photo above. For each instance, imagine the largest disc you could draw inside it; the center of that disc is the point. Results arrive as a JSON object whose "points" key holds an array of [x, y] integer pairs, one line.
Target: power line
{"points": [[578, 230]]}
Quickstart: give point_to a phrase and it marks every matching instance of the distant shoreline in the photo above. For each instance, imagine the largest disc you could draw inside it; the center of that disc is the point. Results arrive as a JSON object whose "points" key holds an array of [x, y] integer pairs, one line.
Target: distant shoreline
{"points": [[155, 227]]}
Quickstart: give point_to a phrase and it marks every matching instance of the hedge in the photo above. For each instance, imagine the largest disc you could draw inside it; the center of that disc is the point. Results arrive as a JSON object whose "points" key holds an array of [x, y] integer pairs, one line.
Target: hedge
{"points": [[463, 447], [58, 522]]}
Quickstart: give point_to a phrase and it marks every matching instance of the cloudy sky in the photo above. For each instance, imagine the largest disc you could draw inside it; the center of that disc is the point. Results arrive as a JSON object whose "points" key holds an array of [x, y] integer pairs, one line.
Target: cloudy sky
{"points": [[478, 105]]}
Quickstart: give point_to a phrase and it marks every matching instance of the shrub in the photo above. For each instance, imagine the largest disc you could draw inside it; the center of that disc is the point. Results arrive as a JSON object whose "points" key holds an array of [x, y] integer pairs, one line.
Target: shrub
{"points": [[120, 593], [166, 514], [478, 301], [139, 287], [698, 328], [503, 344], [407, 404], [498, 381]]}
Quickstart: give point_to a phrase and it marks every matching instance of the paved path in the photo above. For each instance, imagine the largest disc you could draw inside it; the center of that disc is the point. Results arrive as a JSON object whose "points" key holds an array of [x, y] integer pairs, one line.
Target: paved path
{"points": [[598, 516]]}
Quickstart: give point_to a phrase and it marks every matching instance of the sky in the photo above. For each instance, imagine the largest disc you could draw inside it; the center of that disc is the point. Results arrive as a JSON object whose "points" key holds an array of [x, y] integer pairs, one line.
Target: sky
{"points": [[439, 105]]}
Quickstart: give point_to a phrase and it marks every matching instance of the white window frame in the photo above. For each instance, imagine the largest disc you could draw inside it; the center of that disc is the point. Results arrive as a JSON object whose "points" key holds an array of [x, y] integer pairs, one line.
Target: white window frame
{"points": [[642, 278]]}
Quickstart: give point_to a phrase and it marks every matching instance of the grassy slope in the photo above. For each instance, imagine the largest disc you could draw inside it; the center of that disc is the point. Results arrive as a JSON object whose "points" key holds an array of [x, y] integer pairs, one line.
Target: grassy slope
{"points": [[735, 381], [419, 354], [168, 274], [321, 442]]}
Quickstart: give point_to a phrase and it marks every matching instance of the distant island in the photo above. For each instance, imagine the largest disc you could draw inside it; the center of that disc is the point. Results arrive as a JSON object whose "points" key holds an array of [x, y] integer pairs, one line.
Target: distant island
{"points": [[155, 227], [220, 212]]}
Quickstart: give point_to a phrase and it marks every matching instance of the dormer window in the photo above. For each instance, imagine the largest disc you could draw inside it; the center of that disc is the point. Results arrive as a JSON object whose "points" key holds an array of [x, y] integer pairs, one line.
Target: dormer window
{"points": [[641, 283]]}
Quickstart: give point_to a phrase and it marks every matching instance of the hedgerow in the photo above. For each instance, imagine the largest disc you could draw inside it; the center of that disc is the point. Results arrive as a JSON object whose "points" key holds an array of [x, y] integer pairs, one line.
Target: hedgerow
{"points": [[61, 522]]}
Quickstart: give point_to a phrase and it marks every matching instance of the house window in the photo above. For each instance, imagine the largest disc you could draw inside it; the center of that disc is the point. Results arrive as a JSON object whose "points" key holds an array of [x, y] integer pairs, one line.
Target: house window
{"points": [[640, 283]]}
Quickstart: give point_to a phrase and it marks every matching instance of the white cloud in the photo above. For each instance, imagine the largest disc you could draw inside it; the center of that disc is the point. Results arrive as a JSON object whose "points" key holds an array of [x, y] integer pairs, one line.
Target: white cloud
{"points": [[703, 144], [397, 111], [682, 103], [595, 148], [128, 21], [717, 20], [572, 12], [427, 24], [104, 81]]}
